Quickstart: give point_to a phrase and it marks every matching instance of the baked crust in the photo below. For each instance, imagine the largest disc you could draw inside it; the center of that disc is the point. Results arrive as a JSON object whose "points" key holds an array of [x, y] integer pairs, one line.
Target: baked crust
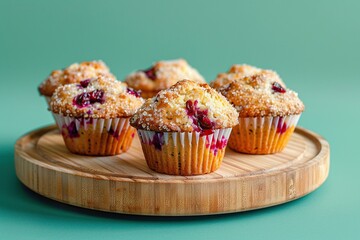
{"points": [[111, 99], [237, 71], [74, 73], [261, 94], [169, 111], [163, 75]]}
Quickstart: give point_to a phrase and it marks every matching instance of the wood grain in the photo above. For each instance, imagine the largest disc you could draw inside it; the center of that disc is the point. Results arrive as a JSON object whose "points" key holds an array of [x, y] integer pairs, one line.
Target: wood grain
{"points": [[125, 184]]}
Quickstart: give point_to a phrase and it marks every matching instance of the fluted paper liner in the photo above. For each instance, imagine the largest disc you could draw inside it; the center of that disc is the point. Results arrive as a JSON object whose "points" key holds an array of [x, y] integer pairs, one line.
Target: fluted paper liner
{"points": [[91, 136], [262, 135], [184, 153]]}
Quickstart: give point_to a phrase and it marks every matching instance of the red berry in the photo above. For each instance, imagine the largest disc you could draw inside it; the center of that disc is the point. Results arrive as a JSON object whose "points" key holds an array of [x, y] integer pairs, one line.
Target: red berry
{"points": [[158, 140], [85, 83], [72, 130], [97, 96], [278, 88], [199, 117], [150, 73], [190, 109], [206, 132], [133, 92], [85, 99], [281, 127], [204, 122], [82, 100], [113, 133]]}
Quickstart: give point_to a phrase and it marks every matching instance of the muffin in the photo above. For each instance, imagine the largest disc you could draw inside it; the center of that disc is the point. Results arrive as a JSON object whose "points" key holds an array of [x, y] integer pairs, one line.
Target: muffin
{"points": [[161, 76], [73, 74], [184, 129], [93, 115], [239, 71], [268, 113]]}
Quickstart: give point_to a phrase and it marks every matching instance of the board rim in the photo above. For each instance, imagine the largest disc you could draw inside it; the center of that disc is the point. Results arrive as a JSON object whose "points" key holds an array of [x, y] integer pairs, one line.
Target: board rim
{"points": [[322, 158], [324, 149]]}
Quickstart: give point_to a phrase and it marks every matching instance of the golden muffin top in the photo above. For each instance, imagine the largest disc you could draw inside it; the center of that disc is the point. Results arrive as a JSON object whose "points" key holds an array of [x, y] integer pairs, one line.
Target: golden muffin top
{"points": [[185, 107], [162, 75], [98, 97], [239, 71], [74, 73], [262, 94]]}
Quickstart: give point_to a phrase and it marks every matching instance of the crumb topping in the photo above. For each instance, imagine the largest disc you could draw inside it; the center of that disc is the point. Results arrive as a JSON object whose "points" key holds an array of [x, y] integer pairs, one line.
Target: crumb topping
{"points": [[185, 107], [239, 71], [162, 75], [99, 97], [262, 94], [74, 74]]}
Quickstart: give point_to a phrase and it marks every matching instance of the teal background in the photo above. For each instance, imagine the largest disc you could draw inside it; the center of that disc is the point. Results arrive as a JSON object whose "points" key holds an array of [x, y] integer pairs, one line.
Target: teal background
{"points": [[314, 46]]}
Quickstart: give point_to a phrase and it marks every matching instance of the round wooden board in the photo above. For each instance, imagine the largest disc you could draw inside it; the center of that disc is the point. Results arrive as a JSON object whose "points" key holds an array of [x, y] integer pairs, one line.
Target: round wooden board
{"points": [[124, 183]]}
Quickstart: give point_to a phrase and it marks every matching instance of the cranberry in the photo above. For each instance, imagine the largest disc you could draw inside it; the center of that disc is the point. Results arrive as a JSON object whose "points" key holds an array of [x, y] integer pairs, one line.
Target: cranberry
{"points": [[191, 108], [82, 100], [158, 140], [206, 132], [85, 83], [97, 96], [133, 92], [201, 121], [276, 87], [113, 133], [216, 144], [72, 130], [220, 144], [281, 127], [150, 73], [205, 122], [87, 98]]}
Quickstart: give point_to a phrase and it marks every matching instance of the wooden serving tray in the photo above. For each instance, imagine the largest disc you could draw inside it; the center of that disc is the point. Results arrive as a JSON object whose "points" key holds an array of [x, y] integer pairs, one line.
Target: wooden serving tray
{"points": [[124, 183]]}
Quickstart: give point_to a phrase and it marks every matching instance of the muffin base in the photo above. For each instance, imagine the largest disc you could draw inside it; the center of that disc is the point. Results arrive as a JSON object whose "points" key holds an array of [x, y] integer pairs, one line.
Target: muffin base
{"points": [[184, 153], [262, 135], [97, 137]]}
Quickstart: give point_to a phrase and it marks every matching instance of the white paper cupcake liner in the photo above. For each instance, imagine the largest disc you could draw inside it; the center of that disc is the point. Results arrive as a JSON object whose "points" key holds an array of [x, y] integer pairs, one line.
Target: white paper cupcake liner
{"points": [[93, 136], [262, 135], [184, 153]]}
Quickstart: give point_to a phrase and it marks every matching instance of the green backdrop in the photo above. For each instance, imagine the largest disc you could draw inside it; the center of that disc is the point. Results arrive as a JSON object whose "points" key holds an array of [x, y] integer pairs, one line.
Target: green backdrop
{"points": [[314, 46]]}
